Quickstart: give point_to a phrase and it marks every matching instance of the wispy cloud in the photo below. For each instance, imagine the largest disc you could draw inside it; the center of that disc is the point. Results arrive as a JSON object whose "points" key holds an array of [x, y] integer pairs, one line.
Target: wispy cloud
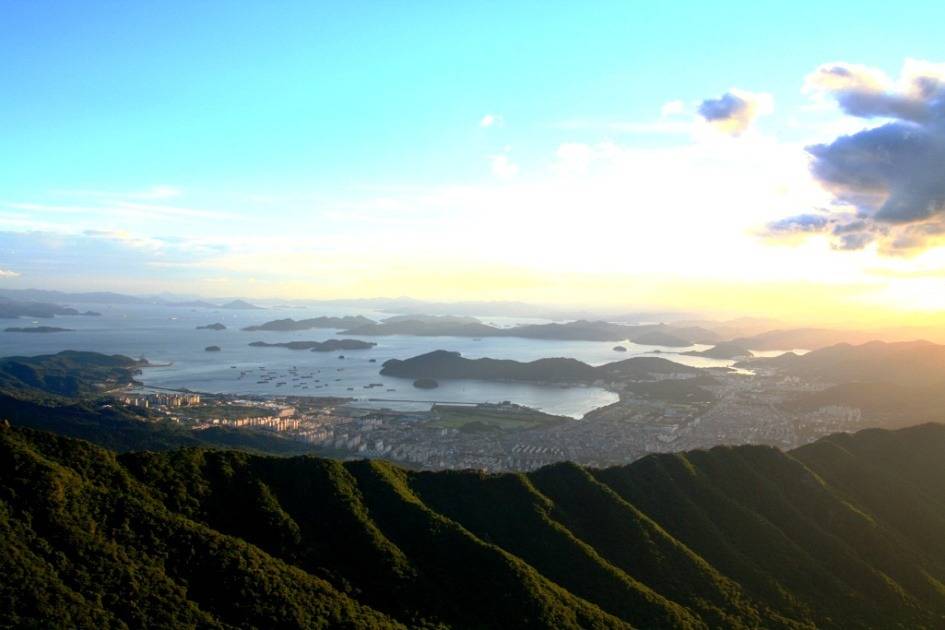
{"points": [[149, 194], [7, 273], [119, 208], [503, 167], [490, 120], [672, 108], [645, 127]]}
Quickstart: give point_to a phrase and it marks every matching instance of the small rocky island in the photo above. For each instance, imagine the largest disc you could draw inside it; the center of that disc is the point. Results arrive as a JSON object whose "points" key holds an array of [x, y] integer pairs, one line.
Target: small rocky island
{"points": [[212, 349], [425, 383], [619, 349], [36, 329], [318, 346], [216, 326]]}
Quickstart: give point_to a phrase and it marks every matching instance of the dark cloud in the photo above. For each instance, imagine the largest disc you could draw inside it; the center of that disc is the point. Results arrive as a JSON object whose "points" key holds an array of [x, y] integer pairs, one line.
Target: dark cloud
{"points": [[867, 93], [894, 173], [888, 181], [847, 233], [726, 106], [734, 112]]}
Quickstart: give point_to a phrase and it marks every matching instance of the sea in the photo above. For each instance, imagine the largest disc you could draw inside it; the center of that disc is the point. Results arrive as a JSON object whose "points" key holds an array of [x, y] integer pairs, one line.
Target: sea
{"points": [[167, 336]]}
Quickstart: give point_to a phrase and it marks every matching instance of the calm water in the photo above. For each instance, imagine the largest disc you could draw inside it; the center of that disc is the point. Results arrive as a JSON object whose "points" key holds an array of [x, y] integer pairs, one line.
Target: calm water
{"points": [[165, 334]]}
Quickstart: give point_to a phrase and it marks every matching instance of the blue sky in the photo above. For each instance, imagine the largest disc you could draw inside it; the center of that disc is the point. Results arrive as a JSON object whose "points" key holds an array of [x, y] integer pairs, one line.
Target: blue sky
{"points": [[263, 119]]}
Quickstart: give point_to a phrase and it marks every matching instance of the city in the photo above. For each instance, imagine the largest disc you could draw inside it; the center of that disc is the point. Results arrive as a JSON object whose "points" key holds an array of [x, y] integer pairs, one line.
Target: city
{"points": [[742, 409]]}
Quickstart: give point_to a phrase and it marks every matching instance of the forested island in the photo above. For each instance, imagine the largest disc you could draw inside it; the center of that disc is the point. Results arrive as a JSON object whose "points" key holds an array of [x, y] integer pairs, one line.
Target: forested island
{"points": [[330, 345], [36, 329], [289, 325], [580, 330], [452, 365], [216, 326]]}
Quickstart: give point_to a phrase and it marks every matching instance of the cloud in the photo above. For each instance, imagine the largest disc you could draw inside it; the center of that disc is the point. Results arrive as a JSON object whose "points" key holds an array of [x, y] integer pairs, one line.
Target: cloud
{"points": [[122, 209], [799, 224], [127, 239], [864, 92], [672, 108], [503, 167], [888, 181], [6, 273], [846, 231], [152, 193], [490, 120], [663, 126], [734, 112]]}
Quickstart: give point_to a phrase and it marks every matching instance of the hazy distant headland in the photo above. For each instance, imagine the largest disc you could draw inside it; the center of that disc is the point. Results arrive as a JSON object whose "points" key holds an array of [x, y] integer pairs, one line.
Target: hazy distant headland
{"points": [[11, 309]]}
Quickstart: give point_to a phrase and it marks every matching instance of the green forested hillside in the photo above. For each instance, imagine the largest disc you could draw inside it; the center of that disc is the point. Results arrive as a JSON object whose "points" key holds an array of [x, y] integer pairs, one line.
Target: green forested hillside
{"points": [[844, 533], [65, 374]]}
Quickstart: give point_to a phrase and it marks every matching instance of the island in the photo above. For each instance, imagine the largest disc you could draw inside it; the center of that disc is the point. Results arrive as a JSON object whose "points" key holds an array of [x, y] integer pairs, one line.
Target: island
{"points": [[216, 326], [212, 349], [725, 350], [290, 325], [579, 330], [444, 364], [427, 326], [241, 305], [425, 383], [661, 338], [619, 349], [318, 346], [36, 329], [194, 304]]}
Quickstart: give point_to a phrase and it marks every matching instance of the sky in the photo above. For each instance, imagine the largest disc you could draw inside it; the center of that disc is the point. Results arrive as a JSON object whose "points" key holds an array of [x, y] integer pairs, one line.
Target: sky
{"points": [[727, 158]]}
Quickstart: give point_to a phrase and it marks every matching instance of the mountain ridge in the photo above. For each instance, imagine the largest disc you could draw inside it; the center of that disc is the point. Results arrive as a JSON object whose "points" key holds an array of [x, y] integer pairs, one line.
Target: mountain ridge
{"points": [[734, 537]]}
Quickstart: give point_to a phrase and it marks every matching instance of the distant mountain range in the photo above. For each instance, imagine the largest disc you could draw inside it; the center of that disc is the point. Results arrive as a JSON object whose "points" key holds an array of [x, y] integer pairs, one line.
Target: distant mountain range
{"points": [[844, 533], [581, 330], [40, 295], [13, 309], [804, 338], [913, 363]]}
